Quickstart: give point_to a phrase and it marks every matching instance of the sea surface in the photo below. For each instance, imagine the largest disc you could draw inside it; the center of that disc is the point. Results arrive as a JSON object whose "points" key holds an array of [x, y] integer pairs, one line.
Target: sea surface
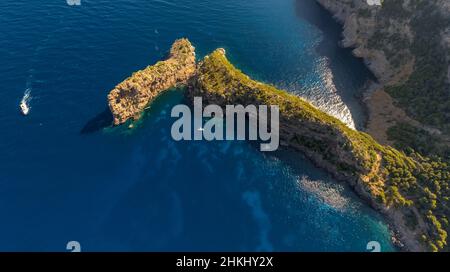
{"points": [[67, 175]]}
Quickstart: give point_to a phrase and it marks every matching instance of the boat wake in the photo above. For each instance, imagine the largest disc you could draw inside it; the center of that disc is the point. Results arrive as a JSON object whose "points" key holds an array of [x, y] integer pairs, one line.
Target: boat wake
{"points": [[25, 102]]}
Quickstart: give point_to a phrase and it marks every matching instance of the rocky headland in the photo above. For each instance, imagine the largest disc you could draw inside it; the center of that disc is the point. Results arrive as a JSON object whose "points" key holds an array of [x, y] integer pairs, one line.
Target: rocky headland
{"points": [[411, 190], [389, 180], [130, 97]]}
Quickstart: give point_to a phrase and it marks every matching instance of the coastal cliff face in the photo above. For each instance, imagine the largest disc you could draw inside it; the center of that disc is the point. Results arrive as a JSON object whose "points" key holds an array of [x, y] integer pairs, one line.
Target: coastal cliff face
{"points": [[385, 35], [390, 181], [406, 44], [130, 97]]}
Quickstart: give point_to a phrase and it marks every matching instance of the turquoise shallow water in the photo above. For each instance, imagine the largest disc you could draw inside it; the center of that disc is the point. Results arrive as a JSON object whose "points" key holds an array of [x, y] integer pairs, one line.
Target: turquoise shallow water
{"points": [[65, 176]]}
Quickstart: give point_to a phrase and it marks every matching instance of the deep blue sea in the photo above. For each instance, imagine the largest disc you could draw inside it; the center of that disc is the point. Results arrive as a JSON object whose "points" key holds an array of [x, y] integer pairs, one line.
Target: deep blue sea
{"points": [[65, 174]]}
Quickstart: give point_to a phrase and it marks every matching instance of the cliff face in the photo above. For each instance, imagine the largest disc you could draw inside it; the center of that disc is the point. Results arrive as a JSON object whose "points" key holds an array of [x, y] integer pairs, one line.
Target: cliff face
{"points": [[384, 35], [387, 179], [357, 31], [130, 97], [406, 44]]}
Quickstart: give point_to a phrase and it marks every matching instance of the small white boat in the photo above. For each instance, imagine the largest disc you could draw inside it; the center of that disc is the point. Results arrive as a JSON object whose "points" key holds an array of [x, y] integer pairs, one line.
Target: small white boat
{"points": [[24, 107]]}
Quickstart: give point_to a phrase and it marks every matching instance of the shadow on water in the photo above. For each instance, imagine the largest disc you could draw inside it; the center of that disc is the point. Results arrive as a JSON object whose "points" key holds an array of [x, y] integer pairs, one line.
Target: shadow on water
{"points": [[105, 118], [100, 121], [160, 105], [350, 74]]}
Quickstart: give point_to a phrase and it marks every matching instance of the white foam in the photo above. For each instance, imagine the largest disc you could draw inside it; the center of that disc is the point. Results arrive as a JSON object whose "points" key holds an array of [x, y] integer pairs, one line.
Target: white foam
{"points": [[329, 102], [329, 194]]}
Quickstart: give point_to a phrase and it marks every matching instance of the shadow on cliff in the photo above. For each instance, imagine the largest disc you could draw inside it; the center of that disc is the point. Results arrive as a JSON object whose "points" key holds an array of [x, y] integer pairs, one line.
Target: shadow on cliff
{"points": [[100, 121], [350, 74]]}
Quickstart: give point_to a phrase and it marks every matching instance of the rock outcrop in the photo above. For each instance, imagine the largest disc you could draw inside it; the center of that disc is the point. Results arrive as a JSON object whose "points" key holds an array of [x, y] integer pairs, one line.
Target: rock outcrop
{"points": [[129, 98]]}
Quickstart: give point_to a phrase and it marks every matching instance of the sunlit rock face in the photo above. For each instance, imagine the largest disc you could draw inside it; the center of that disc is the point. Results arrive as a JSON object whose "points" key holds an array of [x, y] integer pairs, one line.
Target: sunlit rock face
{"points": [[130, 97]]}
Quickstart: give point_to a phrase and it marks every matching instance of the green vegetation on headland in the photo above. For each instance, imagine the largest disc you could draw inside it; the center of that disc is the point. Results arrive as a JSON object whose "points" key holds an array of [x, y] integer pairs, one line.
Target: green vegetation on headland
{"points": [[410, 189]]}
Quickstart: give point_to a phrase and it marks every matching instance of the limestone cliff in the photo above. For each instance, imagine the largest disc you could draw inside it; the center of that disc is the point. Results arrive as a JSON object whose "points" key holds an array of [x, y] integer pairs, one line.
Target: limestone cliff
{"points": [[384, 35], [406, 44], [130, 97]]}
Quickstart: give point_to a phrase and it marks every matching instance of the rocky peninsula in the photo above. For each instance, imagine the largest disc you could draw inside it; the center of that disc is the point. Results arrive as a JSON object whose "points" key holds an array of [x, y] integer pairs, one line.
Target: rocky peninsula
{"points": [[411, 190], [130, 97], [392, 182]]}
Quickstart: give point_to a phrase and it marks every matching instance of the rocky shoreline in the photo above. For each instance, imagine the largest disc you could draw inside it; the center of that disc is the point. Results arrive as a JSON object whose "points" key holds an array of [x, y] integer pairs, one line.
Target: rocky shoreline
{"points": [[355, 34], [374, 171], [322, 139], [361, 23], [391, 58], [376, 125]]}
